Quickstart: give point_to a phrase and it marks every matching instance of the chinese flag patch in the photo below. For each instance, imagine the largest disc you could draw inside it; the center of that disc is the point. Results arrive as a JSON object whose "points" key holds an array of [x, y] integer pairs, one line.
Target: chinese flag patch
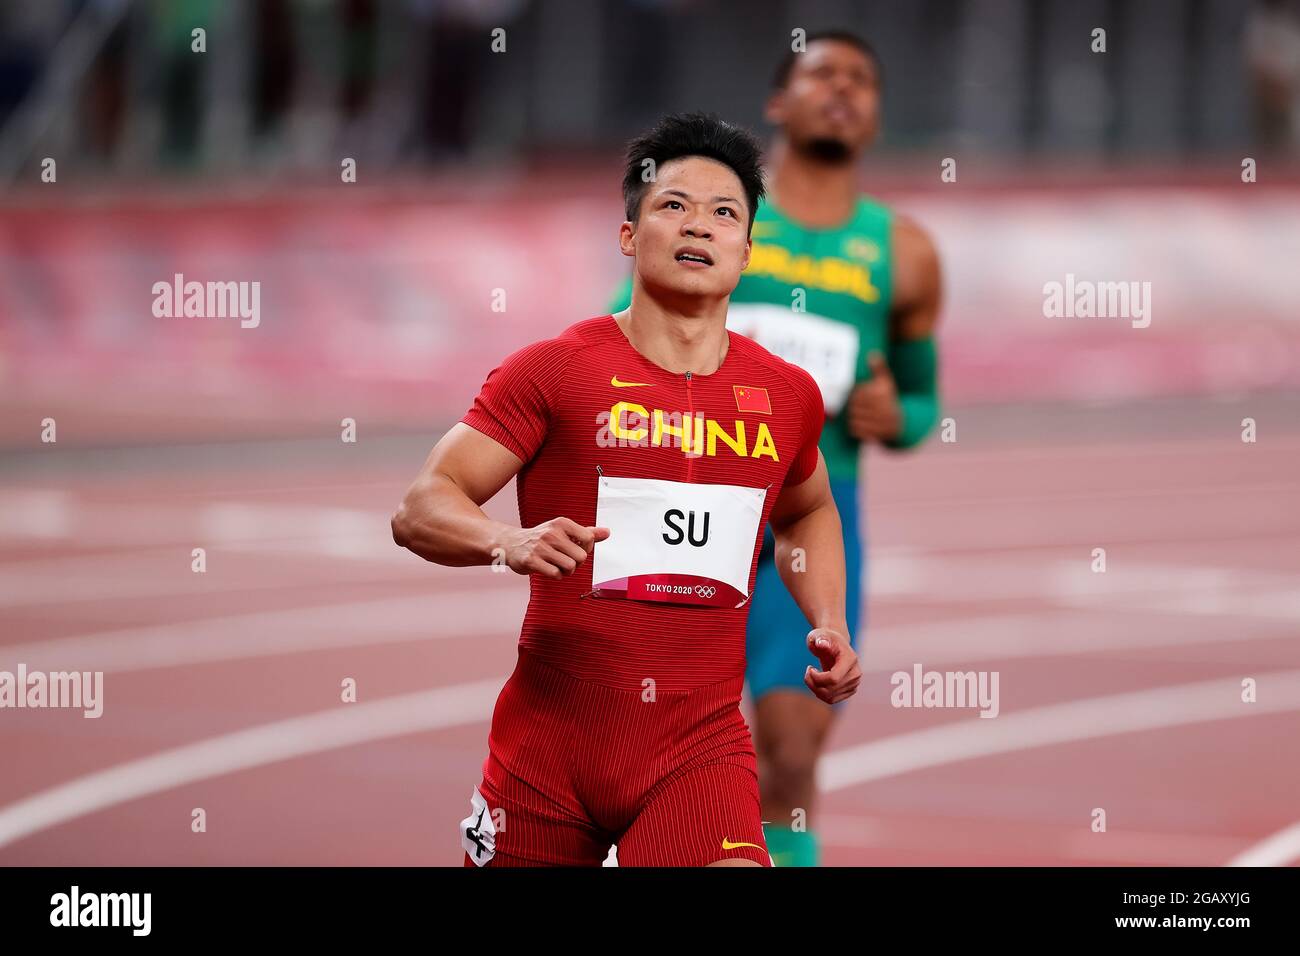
{"points": [[750, 399]]}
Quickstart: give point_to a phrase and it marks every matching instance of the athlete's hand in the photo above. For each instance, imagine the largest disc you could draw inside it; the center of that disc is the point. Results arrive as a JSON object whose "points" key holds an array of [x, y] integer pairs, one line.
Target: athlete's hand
{"points": [[840, 674], [873, 409], [554, 548]]}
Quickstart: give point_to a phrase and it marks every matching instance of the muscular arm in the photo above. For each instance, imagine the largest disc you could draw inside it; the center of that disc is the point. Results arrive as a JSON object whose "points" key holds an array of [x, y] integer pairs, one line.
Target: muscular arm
{"points": [[805, 517], [918, 293], [899, 404], [440, 519], [918, 283]]}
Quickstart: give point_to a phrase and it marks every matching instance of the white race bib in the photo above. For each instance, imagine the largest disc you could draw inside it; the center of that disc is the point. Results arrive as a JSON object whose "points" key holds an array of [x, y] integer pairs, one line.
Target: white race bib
{"points": [[676, 541], [825, 349]]}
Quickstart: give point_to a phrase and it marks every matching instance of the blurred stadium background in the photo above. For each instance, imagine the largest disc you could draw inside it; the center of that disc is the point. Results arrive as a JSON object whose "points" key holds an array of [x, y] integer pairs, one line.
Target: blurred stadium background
{"points": [[478, 171]]}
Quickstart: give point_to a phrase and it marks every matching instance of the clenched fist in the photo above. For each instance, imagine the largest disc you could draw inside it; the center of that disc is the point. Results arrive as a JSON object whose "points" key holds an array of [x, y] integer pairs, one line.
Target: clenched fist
{"points": [[554, 548], [873, 410], [840, 674]]}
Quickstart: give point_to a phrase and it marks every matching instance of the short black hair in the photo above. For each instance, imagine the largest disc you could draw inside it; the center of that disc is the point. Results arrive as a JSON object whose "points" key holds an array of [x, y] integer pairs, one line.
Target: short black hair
{"points": [[783, 69], [693, 134]]}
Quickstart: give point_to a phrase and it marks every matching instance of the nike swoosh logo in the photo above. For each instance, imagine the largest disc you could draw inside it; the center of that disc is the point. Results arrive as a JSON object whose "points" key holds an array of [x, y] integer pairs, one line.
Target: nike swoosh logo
{"points": [[617, 384], [728, 845]]}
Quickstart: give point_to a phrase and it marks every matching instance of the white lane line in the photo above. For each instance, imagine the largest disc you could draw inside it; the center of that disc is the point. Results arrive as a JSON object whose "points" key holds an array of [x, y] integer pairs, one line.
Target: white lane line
{"points": [[892, 575], [991, 839], [268, 633], [333, 532], [1137, 848], [1045, 633], [471, 703], [35, 513], [343, 726], [175, 527], [359, 534], [939, 580], [1048, 633], [961, 455], [118, 577], [1238, 605], [1247, 494], [161, 572], [1279, 849], [971, 737]]}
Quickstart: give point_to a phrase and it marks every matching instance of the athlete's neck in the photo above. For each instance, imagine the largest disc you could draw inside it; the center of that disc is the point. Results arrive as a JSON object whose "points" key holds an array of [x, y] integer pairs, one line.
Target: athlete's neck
{"points": [[676, 340], [811, 191]]}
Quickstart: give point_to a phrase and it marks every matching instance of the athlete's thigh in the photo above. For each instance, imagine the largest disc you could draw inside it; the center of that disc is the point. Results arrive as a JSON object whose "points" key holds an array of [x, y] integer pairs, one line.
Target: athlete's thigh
{"points": [[701, 816], [512, 824]]}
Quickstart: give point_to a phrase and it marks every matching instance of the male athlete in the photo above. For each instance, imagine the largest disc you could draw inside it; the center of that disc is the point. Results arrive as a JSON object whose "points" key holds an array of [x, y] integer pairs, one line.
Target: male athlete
{"points": [[652, 448], [845, 289]]}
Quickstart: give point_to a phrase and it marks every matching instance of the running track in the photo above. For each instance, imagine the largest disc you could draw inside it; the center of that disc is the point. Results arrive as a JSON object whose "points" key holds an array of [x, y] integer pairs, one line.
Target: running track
{"points": [[1119, 691]]}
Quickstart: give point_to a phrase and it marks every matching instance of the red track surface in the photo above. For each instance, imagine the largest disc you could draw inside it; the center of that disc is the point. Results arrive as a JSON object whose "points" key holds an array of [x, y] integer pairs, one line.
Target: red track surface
{"points": [[982, 554]]}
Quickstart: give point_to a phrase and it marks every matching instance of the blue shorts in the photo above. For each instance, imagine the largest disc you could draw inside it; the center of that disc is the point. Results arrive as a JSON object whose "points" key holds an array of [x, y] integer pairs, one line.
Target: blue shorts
{"points": [[776, 638]]}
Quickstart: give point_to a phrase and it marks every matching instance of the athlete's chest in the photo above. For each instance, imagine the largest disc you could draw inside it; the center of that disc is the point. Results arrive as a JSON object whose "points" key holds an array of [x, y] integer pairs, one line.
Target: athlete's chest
{"points": [[743, 428]]}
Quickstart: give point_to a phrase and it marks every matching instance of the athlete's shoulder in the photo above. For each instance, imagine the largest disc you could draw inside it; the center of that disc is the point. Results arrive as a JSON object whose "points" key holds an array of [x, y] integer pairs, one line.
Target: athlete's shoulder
{"points": [[590, 331], [586, 333], [904, 231], [557, 351], [908, 231], [871, 211], [796, 379], [914, 250]]}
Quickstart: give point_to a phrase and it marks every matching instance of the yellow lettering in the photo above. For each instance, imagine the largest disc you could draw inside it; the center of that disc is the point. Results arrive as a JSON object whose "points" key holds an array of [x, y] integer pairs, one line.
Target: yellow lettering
{"points": [[692, 434], [698, 434], [763, 444], [616, 421], [663, 428], [716, 431], [838, 275], [862, 287], [830, 274]]}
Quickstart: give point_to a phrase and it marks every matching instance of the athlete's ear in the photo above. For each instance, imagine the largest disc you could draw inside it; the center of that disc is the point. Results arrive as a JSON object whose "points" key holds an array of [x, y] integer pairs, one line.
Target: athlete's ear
{"points": [[627, 239], [749, 245]]}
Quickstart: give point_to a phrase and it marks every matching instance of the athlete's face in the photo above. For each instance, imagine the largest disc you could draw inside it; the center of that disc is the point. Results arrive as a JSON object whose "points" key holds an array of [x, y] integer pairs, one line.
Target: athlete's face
{"points": [[831, 101], [692, 238]]}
